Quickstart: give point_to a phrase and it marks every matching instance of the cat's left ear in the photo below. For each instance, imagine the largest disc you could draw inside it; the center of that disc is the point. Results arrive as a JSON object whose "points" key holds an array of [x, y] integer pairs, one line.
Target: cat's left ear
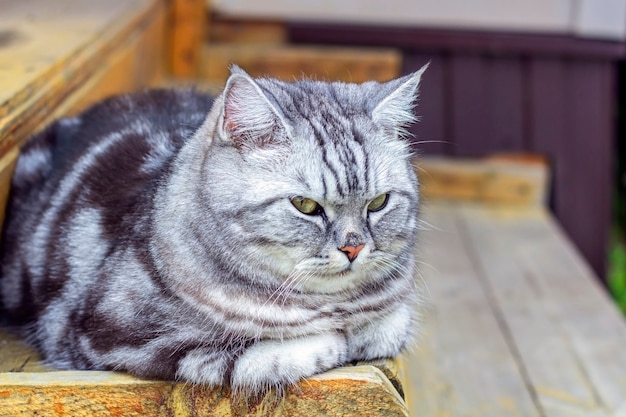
{"points": [[249, 118], [394, 111]]}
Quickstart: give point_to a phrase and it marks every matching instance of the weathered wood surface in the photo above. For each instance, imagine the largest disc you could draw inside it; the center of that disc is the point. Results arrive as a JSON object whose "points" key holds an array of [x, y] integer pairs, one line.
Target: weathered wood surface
{"points": [[357, 391], [27, 387], [512, 180], [51, 51], [517, 324], [188, 24], [290, 63], [223, 30]]}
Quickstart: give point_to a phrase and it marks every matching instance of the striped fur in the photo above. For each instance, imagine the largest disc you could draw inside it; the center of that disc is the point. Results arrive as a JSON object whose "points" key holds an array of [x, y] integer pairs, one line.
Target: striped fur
{"points": [[155, 233]]}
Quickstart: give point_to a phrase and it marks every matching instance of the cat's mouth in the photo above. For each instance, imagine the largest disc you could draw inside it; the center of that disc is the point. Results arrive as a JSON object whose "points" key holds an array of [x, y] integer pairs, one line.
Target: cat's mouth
{"points": [[345, 272]]}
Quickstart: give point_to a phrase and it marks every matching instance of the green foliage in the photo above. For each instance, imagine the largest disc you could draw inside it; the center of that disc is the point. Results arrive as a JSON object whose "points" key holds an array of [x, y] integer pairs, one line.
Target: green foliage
{"points": [[617, 270]]}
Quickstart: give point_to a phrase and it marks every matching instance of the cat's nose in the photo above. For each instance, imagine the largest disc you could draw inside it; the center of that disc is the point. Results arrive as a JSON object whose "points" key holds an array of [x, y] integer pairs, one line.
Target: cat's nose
{"points": [[351, 251]]}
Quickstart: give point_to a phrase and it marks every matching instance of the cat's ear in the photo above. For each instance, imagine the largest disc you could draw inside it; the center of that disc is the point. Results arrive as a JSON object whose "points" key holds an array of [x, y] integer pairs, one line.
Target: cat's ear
{"points": [[249, 119], [398, 98]]}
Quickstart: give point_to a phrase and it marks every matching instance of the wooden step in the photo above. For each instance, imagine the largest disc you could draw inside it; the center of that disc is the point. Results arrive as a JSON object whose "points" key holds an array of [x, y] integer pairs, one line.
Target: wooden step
{"points": [[290, 62], [27, 387], [225, 30]]}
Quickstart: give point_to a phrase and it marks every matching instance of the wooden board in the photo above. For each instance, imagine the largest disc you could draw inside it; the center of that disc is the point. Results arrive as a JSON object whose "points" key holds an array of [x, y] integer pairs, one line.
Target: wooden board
{"points": [[357, 391], [462, 364], [290, 63], [27, 387], [508, 180], [188, 21], [222, 30], [517, 324], [54, 48]]}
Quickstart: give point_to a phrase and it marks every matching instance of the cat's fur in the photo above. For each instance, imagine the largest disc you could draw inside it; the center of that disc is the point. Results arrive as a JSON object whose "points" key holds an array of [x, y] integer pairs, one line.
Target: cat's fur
{"points": [[154, 233]]}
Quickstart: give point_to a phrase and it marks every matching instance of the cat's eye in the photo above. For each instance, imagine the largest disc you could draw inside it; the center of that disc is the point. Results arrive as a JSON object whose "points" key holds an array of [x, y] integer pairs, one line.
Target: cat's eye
{"points": [[378, 203], [306, 205]]}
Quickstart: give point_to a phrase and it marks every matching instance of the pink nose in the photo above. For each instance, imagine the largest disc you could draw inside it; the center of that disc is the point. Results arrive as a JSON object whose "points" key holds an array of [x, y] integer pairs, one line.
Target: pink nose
{"points": [[351, 251]]}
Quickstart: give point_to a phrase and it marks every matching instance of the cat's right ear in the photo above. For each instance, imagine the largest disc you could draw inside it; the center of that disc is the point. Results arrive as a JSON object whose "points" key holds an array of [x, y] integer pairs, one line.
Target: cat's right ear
{"points": [[249, 119]]}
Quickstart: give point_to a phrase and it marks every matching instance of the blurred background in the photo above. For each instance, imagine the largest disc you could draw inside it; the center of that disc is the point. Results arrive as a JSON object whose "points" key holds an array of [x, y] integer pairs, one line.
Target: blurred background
{"points": [[538, 78]]}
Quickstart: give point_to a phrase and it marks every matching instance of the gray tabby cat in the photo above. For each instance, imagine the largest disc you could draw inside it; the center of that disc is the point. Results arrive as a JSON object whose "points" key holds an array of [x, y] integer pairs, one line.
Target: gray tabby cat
{"points": [[249, 241]]}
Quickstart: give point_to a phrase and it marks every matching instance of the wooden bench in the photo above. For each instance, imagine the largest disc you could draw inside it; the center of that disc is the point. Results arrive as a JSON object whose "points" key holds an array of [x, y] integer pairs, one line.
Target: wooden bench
{"points": [[516, 324]]}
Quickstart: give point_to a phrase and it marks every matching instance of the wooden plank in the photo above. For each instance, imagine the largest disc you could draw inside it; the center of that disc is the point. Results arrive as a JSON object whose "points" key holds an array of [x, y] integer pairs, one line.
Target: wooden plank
{"points": [[462, 365], [16, 356], [188, 19], [28, 388], [488, 181], [569, 336], [223, 30], [56, 49], [288, 62], [123, 71]]}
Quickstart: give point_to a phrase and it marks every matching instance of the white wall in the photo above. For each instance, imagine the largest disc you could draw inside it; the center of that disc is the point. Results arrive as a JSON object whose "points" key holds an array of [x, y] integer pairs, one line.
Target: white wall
{"points": [[602, 19]]}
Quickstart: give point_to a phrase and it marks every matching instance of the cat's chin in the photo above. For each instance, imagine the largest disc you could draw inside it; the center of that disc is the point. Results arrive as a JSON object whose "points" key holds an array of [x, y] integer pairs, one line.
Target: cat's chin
{"points": [[331, 282]]}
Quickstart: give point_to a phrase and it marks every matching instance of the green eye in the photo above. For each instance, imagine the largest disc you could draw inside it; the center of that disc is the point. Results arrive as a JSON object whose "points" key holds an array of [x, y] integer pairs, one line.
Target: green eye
{"points": [[306, 205], [378, 203]]}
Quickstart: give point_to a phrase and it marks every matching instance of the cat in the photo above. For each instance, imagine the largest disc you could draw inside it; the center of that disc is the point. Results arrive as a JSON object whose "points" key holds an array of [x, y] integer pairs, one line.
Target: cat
{"points": [[247, 241]]}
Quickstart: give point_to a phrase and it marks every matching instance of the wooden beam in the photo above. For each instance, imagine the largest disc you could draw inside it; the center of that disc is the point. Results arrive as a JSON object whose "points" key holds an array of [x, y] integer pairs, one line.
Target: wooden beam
{"points": [[289, 63], [222, 30], [502, 180], [27, 387], [54, 54], [187, 31]]}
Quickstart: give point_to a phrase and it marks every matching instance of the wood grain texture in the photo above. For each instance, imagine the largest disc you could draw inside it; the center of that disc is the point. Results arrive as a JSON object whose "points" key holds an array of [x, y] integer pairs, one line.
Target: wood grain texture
{"points": [[290, 63], [56, 48], [17, 356], [463, 364], [188, 25], [505, 181], [223, 30], [517, 325], [354, 391]]}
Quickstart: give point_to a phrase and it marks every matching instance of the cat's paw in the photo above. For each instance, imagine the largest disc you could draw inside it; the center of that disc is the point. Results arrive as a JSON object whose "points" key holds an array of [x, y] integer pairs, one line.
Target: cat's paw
{"points": [[203, 367], [384, 338], [279, 364]]}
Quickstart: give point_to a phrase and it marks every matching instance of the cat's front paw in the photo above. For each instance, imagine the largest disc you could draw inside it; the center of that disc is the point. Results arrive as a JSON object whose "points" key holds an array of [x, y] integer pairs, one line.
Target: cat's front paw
{"points": [[385, 338], [279, 364]]}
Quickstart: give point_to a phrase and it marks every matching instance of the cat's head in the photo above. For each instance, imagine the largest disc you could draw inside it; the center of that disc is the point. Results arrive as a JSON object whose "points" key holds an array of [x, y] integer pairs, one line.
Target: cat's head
{"points": [[315, 182]]}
